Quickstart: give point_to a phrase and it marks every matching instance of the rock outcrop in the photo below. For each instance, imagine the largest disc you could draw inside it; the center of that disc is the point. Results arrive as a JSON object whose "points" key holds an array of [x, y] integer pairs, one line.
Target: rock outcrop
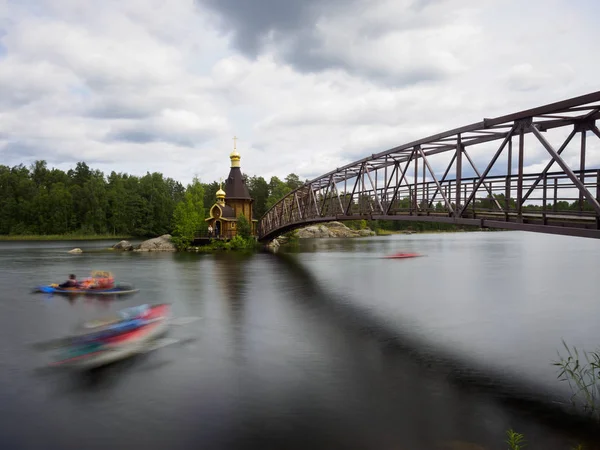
{"points": [[273, 246], [366, 232], [75, 250], [123, 245], [160, 244], [332, 230]]}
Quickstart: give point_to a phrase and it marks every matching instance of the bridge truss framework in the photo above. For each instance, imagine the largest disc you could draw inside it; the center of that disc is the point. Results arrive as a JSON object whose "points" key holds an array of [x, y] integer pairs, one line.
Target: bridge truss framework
{"points": [[437, 178]]}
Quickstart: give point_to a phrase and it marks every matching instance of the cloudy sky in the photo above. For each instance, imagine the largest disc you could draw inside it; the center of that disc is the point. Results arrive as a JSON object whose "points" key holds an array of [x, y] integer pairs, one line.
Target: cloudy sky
{"points": [[163, 85]]}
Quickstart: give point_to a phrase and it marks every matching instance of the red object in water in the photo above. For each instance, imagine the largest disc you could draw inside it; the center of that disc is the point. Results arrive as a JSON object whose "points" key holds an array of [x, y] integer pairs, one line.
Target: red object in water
{"points": [[124, 344], [402, 255]]}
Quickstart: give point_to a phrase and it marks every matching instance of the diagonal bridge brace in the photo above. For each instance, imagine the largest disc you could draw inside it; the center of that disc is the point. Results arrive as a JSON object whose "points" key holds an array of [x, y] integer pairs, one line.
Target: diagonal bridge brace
{"points": [[548, 166], [488, 168], [437, 183], [563, 165], [484, 184]]}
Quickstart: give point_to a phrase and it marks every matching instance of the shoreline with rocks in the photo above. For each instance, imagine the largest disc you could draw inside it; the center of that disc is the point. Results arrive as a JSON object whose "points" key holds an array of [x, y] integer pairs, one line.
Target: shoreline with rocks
{"points": [[325, 230]]}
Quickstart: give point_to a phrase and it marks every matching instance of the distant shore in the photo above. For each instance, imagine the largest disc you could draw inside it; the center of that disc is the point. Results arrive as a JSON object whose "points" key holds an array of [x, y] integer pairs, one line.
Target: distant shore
{"points": [[62, 237]]}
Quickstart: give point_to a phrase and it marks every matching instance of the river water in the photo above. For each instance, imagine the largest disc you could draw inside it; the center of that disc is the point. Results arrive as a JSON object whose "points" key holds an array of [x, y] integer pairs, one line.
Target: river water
{"points": [[326, 346]]}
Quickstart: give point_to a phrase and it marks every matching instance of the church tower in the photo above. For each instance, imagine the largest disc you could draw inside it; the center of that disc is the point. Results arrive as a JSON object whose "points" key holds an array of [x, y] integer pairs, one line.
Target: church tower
{"points": [[231, 203], [236, 192]]}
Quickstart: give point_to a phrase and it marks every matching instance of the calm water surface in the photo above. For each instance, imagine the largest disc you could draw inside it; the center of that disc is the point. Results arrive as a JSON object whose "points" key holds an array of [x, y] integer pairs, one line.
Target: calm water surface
{"points": [[330, 346]]}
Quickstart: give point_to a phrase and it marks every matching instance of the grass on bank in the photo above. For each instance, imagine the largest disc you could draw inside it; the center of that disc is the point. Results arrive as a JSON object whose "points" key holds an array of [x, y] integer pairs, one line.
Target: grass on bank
{"points": [[61, 237], [581, 370]]}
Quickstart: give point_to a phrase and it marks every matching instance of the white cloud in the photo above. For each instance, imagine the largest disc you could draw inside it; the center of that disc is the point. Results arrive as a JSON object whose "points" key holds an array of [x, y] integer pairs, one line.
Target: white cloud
{"points": [[151, 85]]}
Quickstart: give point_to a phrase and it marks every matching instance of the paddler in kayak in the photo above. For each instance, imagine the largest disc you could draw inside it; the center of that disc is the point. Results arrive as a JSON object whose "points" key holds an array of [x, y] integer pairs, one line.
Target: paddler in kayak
{"points": [[70, 283]]}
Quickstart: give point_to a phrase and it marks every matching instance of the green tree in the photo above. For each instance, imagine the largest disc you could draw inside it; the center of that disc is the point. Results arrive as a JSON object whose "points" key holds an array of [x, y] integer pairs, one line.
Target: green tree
{"points": [[277, 190], [293, 181], [259, 191], [210, 195], [188, 217], [243, 227]]}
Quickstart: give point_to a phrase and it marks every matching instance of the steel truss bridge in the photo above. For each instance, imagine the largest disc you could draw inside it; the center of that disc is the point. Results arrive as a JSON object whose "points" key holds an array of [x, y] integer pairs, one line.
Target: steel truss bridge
{"points": [[486, 174]]}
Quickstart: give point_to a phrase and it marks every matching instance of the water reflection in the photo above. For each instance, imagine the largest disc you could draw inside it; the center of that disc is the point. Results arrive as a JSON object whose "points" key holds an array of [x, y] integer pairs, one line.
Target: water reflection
{"points": [[231, 273], [294, 351], [414, 375]]}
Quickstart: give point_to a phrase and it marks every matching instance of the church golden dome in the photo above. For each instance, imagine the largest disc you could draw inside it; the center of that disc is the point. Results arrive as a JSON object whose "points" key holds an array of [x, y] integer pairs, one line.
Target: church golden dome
{"points": [[235, 156], [220, 197]]}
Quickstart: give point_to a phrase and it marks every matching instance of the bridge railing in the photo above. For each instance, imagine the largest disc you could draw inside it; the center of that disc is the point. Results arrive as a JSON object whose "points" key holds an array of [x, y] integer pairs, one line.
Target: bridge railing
{"points": [[461, 176]]}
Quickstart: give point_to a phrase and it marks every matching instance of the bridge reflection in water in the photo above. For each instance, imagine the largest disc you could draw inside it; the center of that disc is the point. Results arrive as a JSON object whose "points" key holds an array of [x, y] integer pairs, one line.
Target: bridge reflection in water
{"points": [[438, 179], [431, 395]]}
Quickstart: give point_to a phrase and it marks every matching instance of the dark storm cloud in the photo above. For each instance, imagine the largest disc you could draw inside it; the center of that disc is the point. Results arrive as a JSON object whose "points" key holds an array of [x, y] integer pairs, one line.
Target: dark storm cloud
{"points": [[252, 21], [291, 25]]}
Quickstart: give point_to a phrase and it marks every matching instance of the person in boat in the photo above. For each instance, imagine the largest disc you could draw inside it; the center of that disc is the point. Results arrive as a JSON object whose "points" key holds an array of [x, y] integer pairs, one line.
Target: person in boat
{"points": [[70, 283]]}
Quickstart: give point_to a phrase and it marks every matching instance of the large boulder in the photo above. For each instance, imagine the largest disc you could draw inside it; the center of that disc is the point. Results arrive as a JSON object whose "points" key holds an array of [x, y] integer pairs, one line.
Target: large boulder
{"points": [[123, 245], [339, 230], [314, 231], [160, 244], [332, 230], [273, 246], [366, 232]]}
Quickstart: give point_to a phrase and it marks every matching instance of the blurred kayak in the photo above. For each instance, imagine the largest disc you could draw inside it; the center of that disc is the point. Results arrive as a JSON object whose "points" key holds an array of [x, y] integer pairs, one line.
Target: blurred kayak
{"points": [[102, 342], [402, 255], [53, 289]]}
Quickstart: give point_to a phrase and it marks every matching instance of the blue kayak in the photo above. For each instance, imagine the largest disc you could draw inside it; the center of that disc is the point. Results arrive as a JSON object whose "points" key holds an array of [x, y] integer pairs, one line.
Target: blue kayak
{"points": [[111, 291], [111, 330]]}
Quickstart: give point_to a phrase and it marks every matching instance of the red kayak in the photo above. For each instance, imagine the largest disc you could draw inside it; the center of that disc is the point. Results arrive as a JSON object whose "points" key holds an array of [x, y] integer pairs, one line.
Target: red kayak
{"points": [[402, 255], [154, 324]]}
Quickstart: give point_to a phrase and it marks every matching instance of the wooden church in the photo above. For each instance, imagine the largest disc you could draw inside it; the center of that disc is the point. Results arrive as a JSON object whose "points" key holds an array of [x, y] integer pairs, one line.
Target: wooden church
{"points": [[231, 203]]}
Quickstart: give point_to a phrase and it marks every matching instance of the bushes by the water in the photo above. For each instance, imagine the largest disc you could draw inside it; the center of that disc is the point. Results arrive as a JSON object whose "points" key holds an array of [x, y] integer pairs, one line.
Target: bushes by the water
{"points": [[236, 243]]}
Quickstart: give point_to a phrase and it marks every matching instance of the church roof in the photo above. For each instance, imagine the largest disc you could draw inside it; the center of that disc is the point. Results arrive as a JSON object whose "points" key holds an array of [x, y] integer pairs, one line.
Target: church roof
{"points": [[228, 212], [235, 187]]}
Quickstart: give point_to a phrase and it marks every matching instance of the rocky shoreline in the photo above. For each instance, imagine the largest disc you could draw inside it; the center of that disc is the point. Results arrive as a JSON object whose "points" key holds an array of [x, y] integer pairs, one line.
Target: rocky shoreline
{"points": [[158, 244], [164, 243], [321, 231], [332, 230]]}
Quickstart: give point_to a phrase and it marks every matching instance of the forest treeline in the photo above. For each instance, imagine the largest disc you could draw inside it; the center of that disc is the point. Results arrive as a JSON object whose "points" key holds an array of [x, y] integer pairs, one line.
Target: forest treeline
{"points": [[37, 200]]}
